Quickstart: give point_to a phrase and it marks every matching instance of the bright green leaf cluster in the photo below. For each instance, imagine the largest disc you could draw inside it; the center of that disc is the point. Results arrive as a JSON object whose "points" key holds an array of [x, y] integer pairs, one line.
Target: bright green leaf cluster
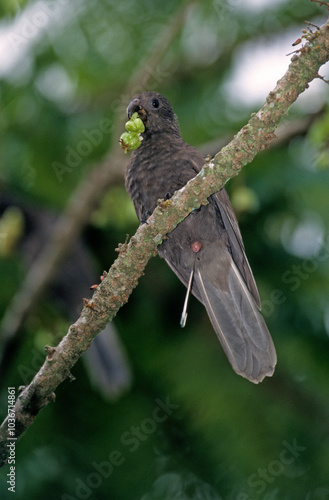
{"points": [[131, 139]]}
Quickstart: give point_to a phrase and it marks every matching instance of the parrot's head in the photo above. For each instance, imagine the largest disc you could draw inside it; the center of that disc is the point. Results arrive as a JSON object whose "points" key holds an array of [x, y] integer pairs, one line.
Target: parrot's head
{"points": [[155, 111]]}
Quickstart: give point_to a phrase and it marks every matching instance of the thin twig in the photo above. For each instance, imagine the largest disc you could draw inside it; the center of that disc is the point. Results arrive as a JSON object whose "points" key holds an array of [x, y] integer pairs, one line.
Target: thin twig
{"points": [[320, 2]]}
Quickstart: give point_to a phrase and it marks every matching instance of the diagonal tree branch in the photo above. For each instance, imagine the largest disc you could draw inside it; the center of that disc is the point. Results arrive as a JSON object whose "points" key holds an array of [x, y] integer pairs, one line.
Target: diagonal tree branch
{"points": [[123, 276]]}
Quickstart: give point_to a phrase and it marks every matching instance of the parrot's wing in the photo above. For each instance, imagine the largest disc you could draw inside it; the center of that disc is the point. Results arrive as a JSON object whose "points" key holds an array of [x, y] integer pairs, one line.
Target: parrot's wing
{"points": [[224, 207], [235, 240]]}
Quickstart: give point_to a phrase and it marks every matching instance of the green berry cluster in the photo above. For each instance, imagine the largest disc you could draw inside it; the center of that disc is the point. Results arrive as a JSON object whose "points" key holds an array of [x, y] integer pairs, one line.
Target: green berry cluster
{"points": [[131, 139]]}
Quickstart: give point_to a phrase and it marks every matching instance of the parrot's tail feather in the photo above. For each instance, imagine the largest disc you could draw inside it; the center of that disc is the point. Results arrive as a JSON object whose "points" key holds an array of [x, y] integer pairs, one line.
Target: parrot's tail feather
{"points": [[239, 325], [184, 313]]}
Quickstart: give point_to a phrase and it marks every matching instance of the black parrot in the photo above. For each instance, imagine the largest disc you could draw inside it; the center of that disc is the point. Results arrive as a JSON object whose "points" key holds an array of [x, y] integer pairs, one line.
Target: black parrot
{"points": [[206, 250]]}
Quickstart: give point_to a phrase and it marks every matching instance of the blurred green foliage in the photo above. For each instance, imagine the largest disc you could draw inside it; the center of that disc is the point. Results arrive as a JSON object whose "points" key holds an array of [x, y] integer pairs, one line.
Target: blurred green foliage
{"points": [[189, 428]]}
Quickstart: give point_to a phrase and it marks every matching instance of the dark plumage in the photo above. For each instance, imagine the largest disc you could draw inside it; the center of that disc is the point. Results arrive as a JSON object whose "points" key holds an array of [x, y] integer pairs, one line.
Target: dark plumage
{"points": [[206, 249]]}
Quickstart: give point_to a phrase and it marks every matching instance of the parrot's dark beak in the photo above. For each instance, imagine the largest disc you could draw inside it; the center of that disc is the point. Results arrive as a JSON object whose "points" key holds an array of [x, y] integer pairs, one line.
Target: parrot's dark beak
{"points": [[136, 107]]}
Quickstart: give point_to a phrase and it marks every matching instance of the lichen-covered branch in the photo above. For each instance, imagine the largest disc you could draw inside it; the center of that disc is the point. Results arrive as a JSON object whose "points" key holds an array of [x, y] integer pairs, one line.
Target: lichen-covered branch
{"points": [[123, 276]]}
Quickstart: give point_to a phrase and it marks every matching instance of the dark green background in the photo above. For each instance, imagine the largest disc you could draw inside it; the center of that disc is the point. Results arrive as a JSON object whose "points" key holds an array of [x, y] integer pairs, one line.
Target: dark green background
{"points": [[223, 438]]}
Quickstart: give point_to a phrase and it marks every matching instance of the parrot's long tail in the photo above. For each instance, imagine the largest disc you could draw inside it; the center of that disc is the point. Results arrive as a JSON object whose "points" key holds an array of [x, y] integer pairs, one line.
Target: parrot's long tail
{"points": [[238, 324]]}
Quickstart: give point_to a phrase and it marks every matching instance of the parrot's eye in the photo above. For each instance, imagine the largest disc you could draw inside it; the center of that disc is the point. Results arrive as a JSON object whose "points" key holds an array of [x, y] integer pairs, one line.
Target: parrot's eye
{"points": [[155, 103]]}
